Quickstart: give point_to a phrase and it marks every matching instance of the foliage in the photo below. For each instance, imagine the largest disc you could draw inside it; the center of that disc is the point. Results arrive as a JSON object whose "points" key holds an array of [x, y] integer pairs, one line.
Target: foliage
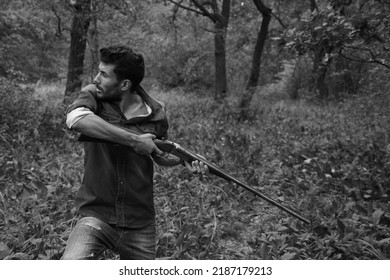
{"points": [[331, 163], [328, 159], [177, 44], [342, 38], [326, 30], [31, 41], [36, 179], [334, 29]]}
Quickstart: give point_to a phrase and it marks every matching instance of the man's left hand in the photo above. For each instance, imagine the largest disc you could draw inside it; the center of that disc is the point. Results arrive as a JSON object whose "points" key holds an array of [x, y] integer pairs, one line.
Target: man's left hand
{"points": [[197, 167]]}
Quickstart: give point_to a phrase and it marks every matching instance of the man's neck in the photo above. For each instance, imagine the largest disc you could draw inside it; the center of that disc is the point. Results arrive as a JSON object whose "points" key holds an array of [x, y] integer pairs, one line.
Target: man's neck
{"points": [[132, 105]]}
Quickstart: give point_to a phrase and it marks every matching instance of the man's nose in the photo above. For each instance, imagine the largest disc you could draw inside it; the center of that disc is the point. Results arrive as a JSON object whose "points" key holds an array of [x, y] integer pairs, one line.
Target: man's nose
{"points": [[96, 79]]}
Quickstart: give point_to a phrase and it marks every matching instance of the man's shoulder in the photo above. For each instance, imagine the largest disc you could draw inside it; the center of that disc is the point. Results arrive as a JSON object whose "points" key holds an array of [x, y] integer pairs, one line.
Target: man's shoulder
{"points": [[91, 88], [87, 98], [89, 92]]}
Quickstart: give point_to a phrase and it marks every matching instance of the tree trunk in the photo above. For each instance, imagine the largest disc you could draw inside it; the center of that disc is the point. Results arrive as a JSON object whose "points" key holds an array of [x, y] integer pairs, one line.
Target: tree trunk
{"points": [[313, 5], [221, 21], [94, 42], [221, 25], [80, 24], [256, 61], [320, 68], [321, 84]]}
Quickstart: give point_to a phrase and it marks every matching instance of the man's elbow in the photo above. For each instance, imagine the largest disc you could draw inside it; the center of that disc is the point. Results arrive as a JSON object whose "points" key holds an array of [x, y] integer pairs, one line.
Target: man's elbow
{"points": [[77, 126], [74, 119]]}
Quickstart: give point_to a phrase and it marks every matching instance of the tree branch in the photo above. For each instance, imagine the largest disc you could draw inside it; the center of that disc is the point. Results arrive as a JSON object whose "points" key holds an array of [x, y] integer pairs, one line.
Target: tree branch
{"points": [[279, 20], [186, 7], [373, 59], [58, 21], [205, 11]]}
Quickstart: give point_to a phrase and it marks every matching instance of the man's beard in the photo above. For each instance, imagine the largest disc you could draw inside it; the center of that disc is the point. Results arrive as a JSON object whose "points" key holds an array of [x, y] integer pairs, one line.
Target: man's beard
{"points": [[113, 98], [108, 98]]}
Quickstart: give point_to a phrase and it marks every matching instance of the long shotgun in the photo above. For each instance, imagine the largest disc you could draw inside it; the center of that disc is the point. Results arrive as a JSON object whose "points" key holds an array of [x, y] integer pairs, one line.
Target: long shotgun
{"points": [[184, 154]]}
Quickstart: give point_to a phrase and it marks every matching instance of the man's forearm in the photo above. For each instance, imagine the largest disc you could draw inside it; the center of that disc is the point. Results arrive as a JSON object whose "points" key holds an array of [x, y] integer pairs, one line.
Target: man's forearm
{"points": [[96, 127]]}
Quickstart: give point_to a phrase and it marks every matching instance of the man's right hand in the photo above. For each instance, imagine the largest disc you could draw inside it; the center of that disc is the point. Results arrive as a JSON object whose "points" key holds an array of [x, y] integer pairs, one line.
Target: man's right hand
{"points": [[145, 145]]}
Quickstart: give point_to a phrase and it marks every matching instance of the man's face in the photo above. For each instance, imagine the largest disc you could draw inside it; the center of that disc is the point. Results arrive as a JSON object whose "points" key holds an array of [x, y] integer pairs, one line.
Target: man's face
{"points": [[108, 87]]}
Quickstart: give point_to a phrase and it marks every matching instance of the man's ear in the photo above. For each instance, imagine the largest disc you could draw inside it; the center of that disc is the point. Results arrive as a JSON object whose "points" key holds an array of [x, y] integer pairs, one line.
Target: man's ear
{"points": [[125, 85]]}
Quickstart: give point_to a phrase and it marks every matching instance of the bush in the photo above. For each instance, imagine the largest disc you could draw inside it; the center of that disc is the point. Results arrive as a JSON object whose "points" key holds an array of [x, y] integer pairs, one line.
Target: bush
{"points": [[17, 109], [179, 66]]}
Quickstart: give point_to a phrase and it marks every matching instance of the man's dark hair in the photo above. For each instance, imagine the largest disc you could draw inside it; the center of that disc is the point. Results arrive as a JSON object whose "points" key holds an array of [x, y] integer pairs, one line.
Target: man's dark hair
{"points": [[128, 64]]}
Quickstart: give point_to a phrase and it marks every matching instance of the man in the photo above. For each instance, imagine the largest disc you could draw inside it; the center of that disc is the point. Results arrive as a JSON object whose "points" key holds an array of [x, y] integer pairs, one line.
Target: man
{"points": [[118, 121]]}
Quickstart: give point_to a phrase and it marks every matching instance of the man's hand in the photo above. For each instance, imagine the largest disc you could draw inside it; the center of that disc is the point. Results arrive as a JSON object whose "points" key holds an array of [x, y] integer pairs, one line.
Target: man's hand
{"points": [[145, 145], [197, 167]]}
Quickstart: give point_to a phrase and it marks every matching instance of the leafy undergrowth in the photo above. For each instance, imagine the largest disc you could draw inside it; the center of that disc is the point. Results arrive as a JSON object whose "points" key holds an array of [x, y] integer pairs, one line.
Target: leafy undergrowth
{"points": [[329, 162]]}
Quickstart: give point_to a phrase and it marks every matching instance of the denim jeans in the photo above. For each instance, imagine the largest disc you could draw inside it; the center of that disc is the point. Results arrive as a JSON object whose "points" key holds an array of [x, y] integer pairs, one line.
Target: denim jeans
{"points": [[91, 237]]}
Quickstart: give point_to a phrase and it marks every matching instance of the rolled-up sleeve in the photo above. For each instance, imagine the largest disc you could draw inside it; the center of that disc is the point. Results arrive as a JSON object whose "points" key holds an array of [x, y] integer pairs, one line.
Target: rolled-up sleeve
{"points": [[85, 104], [77, 114]]}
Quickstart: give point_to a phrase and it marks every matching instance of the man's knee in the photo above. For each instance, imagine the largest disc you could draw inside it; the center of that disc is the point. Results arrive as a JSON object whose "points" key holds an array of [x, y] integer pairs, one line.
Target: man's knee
{"points": [[81, 255], [85, 240]]}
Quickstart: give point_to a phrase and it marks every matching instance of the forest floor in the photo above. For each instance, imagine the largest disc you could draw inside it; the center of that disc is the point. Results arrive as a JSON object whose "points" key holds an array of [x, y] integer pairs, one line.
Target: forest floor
{"points": [[329, 161]]}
